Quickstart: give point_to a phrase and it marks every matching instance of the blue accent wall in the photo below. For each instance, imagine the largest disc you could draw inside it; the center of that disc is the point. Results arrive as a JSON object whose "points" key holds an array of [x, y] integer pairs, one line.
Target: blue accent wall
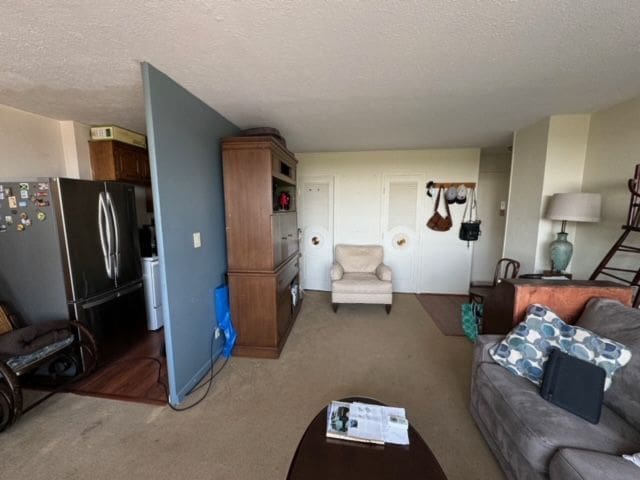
{"points": [[186, 173]]}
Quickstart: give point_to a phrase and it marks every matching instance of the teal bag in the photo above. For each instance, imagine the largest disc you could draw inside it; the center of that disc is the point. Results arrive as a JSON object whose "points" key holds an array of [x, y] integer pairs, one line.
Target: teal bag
{"points": [[472, 320]]}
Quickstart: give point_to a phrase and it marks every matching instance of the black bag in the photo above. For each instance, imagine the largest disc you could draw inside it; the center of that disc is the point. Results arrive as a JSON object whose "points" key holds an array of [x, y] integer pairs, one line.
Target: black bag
{"points": [[470, 229], [574, 385]]}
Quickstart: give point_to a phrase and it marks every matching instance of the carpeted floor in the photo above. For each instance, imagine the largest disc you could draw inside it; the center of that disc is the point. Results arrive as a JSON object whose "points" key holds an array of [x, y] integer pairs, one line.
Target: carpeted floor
{"points": [[445, 311], [250, 425]]}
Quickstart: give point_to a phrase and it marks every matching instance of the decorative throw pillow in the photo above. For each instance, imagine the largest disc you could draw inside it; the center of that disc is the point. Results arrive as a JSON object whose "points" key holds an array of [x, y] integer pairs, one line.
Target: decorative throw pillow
{"points": [[635, 458], [525, 350]]}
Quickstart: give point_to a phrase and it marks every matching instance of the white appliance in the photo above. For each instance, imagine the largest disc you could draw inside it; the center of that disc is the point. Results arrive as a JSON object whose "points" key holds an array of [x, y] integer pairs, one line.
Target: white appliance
{"points": [[117, 133], [153, 300]]}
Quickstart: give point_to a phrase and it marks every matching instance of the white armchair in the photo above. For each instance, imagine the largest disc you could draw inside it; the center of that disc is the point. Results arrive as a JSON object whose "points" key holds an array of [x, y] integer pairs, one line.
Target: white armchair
{"points": [[359, 275]]}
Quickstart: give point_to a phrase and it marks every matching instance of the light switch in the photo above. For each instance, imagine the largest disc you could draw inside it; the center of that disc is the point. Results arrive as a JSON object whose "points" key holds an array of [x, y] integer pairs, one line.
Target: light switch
{"points": [[503, 208], [197, 241]]}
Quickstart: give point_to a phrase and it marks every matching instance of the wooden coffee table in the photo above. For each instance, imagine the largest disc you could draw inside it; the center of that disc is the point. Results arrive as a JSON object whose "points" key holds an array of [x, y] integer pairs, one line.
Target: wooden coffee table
{"points": [[320, 458]]}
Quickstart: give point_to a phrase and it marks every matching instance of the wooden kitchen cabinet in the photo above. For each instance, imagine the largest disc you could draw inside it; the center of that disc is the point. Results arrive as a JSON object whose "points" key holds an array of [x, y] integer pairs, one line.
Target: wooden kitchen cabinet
{"points": [[262, 243], [114, 160]]}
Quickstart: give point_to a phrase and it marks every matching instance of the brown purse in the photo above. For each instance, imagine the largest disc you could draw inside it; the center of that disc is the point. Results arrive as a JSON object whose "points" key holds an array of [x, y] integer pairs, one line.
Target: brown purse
{"points": [[437, 222]]}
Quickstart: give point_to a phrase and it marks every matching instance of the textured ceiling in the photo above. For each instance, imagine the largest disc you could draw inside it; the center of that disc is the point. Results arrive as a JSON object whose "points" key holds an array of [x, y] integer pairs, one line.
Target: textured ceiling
{"points": [[331, 75]]}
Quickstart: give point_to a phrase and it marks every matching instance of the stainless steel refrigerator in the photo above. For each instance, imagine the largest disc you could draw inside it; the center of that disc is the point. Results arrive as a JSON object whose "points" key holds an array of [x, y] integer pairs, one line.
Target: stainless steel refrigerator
{"points": [[69, 249]]}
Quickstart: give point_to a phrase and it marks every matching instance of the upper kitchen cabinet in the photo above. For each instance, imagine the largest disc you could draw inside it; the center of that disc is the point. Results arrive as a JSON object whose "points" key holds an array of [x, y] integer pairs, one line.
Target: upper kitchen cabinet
{"points": [[114, 160]]}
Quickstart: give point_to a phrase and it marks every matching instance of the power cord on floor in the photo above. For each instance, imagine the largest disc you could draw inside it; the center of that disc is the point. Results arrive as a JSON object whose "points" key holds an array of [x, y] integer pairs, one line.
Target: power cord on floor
{"points": [[209, 382], [160, 382]]}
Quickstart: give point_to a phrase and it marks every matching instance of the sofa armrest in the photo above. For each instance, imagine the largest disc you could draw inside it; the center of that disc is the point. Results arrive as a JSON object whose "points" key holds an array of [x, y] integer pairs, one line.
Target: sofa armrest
{"points": [[336, 271], [576, 464], [383, 273], [483, 344]]}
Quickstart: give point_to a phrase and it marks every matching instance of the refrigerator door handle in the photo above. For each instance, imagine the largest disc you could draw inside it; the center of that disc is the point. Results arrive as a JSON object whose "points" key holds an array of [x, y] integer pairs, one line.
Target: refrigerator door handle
{"points": [[104, 228], [116, 231], [111, 296]]}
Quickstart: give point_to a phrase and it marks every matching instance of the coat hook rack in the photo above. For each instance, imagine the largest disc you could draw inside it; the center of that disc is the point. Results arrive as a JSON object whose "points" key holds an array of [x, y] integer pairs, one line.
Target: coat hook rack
{"points": [[454, 184], [450, 184]]}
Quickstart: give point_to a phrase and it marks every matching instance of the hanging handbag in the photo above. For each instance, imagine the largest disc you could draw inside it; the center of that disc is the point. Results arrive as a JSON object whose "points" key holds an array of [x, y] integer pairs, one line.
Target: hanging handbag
{"points": [[470, 229], [437, 222]]}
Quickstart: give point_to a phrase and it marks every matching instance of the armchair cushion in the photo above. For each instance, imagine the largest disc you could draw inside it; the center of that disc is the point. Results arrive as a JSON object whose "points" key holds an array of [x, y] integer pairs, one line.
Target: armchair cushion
{"points": [[29, 339], [359, 276], [383, 273], [366, 283], [336, 272], [359, 258]]}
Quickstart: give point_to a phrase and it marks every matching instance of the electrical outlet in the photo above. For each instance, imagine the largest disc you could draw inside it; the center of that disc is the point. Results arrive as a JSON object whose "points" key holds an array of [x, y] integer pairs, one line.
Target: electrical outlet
{"points": [[197, 241], [216, 333]]}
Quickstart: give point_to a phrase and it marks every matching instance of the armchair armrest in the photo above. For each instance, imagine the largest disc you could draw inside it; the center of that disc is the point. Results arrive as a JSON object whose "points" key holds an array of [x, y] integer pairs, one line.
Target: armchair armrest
{"points": [[483, 344], [336, 271], [383, 273]]}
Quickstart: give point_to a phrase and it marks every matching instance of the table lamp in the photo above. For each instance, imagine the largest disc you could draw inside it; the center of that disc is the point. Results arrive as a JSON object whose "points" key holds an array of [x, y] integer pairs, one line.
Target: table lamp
{"points": [[570, 207]]}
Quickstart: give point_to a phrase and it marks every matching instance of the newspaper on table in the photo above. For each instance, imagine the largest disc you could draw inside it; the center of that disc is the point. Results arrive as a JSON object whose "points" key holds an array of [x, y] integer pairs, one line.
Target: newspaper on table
{"points": [[363, 422]]}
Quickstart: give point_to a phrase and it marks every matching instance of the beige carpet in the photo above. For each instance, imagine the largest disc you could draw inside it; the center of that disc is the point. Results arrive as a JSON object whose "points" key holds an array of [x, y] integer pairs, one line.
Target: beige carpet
{"points": [[250, 425]]}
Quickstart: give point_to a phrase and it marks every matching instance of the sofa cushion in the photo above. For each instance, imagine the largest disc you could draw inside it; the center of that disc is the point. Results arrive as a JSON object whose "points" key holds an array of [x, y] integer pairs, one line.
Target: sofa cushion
{"points": [[612, 319], [521, 420], [573, 464], [359, 258], [526, 349], [361, 283]]}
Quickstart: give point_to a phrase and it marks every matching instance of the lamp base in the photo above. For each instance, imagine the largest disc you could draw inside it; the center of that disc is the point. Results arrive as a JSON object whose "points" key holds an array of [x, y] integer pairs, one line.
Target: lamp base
{"points": [[560, 251]]}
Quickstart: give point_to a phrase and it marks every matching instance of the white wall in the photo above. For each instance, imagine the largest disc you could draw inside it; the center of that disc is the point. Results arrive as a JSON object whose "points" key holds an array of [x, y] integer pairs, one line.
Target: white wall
{"points": [[525, 194], [36, 146], [493, 188], [613, 150], [548, 158], [75, 145], [444, 260], [30, 145], [563, 171]]}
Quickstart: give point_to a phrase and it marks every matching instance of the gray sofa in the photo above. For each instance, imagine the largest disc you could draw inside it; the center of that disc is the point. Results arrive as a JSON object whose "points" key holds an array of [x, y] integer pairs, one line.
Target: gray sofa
{"points": [[533, 439]]}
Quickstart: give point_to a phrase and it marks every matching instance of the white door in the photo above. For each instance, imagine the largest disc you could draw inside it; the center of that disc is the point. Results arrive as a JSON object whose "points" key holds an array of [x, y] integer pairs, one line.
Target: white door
{"points": [[315, 197], [400, 234]]}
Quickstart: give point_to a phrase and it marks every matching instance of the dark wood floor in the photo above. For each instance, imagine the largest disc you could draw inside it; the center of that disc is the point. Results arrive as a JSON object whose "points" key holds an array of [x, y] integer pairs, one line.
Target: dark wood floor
{"points": [[445, 310], [138, 375]]}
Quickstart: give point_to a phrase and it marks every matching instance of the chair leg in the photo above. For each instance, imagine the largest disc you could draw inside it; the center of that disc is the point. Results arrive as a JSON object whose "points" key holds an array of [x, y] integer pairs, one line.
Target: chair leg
{"points": [[335, 307], [388, 308], [10, 397], [87, 348]]}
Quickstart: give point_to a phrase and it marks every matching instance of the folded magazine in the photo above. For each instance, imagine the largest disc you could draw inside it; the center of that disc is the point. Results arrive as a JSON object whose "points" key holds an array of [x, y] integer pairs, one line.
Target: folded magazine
{"points": [[363, 422]]}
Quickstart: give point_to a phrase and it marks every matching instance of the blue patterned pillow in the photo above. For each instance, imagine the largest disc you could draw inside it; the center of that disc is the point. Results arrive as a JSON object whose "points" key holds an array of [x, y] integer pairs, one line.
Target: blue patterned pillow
{"points": [[525, 350]]}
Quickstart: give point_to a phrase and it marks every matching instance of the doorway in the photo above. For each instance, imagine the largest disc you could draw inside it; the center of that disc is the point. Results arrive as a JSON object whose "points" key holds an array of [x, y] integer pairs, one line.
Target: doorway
{"points": [[315, 196], [400, 235]]}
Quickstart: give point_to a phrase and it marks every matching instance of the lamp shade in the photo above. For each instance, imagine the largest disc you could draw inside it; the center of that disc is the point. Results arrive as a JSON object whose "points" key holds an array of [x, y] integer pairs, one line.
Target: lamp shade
{"points": [[575, 207]]}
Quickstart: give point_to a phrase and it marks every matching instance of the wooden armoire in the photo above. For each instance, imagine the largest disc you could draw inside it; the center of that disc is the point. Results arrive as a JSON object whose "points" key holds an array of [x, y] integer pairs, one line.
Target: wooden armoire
{"points": [[262, 243]]}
